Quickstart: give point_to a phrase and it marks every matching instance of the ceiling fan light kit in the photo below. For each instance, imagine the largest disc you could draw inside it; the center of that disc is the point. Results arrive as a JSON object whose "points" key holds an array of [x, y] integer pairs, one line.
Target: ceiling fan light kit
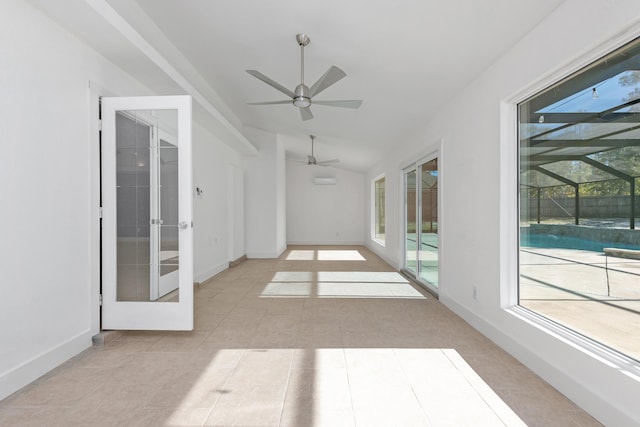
{"points": [[302, 96]]}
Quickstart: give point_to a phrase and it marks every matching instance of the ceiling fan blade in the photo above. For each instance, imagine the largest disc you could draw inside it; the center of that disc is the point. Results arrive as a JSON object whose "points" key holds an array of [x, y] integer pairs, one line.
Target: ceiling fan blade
{"points": [[326, 162], [272, 83], [288, 101], [351, 103], [305, 113], [332, 75]]}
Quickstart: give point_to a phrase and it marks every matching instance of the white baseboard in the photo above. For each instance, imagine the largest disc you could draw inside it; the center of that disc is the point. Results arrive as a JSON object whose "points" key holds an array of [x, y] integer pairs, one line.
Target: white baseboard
{"points": [[326, 243], [265, 255], [209, 273], [603, 408], [375, 248], [29, 371]]}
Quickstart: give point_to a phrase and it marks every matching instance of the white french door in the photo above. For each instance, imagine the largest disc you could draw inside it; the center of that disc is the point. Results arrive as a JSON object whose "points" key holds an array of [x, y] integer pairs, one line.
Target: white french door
{"points": [[147, 234]]}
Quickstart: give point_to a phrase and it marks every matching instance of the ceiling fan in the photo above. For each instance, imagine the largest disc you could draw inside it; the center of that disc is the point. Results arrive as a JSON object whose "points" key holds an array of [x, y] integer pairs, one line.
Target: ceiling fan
{"points": [[311, 160], [302, 96]]}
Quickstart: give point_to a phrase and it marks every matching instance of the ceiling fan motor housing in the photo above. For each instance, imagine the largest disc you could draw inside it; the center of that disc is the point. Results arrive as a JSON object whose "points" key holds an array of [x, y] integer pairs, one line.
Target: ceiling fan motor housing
{"points": [[303, 39], [301, 100]]}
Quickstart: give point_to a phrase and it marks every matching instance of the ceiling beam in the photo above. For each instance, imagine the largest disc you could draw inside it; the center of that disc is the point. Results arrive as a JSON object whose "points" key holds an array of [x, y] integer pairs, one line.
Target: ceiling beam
{"points": [[534, 138], [565, 143], [583, 118], [556, 176]]}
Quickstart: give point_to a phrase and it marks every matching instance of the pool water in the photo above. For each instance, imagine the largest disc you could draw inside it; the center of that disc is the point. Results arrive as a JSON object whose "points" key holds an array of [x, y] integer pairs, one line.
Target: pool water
{"points": [[565, 242]]}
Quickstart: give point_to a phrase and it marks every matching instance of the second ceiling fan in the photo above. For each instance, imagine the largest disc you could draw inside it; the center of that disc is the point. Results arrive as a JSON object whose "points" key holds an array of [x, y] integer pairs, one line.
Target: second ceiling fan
{"points": [[311, 159], [302, 96]]}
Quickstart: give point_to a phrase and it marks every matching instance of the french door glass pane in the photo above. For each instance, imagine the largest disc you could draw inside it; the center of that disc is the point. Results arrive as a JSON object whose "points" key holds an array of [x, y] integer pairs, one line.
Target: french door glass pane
{"points": [[147, 205], [410, 222]]}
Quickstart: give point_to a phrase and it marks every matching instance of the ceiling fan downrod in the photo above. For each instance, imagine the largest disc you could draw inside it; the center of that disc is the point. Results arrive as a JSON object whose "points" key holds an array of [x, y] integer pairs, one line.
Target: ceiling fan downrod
{"points": [[302, 100], [312, 138]]}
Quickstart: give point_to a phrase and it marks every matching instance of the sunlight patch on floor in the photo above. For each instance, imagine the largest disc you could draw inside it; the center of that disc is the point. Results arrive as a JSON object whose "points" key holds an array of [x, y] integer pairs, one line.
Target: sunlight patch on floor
{"points": [[301, 255], [340, 255], [340, 284]]}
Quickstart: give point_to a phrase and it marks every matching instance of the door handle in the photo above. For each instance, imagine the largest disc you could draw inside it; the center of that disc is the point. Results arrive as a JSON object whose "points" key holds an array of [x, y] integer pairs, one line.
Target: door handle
{"points": [[183, 225]]}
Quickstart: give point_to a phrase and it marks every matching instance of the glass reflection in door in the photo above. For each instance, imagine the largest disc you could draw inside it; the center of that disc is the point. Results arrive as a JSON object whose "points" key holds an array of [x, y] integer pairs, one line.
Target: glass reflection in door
{"points": [[428, 254], [147, 205], [410, 221]]}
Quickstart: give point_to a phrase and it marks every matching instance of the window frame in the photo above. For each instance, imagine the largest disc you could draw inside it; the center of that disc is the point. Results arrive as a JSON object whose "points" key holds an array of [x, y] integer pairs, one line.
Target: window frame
{"points": [[510, 209], [374, 208]]}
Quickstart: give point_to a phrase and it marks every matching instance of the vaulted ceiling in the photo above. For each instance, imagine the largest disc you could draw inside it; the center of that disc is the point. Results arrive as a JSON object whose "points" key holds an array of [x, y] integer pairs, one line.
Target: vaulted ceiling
{"points": [[403, 58]]}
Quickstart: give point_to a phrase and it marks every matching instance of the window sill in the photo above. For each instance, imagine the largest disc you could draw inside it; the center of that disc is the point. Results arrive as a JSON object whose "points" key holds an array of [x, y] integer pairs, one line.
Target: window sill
{"points": [[378, 241], [594, 349]]}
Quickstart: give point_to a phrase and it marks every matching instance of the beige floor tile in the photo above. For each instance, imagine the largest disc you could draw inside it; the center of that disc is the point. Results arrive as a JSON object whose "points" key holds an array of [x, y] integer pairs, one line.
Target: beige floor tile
{"points": [[180, 341], [318, 397], [319, 359], [359, 358], [260, 378]]}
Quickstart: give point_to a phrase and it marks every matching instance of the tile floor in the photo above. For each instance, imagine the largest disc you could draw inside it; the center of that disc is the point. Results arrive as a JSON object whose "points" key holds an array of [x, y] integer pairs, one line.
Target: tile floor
{"points": [[322, 336]]}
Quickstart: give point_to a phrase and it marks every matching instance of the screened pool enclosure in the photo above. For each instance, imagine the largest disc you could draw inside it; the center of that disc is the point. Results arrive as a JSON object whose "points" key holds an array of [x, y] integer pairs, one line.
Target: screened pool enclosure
{"points": [[579, 205]]}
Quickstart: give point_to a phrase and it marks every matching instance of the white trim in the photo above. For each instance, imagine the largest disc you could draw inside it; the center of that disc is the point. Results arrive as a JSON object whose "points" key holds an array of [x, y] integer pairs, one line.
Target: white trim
{"points": [[275, 254], [594, 349], [372, 210], [580, 61], [435, 151], [95, 92], [208, 274], [376, 249], [29, 371], [324, 242], [378, 241], [602, 407], [509, 205]]}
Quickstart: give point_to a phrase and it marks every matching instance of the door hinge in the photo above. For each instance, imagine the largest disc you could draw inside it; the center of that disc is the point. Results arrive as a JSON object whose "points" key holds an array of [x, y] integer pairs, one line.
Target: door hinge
{"points": [[100, 212], [100, 299], [99, 125]]}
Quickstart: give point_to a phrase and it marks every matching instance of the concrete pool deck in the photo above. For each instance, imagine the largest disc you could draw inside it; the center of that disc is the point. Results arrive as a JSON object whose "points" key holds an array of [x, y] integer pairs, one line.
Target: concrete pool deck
{"points": [[569, 286]]}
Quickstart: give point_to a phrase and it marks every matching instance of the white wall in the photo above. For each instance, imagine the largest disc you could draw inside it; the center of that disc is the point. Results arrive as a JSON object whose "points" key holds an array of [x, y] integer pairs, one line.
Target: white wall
{"points": [[236, 212], [324, 214], [264, 196], [211, 237], [47, 188], [281, 202], [478, 146]]}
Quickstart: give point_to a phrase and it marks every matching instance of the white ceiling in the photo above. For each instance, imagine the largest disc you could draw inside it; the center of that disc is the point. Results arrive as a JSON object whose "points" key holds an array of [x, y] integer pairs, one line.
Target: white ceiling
{"points": [[404, 58]]}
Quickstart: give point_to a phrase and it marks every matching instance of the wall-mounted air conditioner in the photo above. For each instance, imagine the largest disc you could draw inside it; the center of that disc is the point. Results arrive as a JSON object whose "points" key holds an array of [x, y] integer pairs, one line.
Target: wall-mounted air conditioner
{"points": [[323, 180]]}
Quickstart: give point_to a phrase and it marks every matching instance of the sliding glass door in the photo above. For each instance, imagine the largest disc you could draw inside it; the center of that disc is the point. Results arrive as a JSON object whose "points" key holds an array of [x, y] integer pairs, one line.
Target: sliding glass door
{"points": [[411, 213], [421, 240]]}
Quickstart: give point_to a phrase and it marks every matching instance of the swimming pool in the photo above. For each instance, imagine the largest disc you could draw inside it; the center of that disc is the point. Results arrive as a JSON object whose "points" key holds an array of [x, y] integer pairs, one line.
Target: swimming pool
{"points": [[565, 242]]}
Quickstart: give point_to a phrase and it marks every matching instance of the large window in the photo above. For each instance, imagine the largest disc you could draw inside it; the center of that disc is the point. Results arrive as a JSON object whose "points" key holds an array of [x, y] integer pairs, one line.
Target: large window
{"points": [[579, 176], [378, 209]]}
